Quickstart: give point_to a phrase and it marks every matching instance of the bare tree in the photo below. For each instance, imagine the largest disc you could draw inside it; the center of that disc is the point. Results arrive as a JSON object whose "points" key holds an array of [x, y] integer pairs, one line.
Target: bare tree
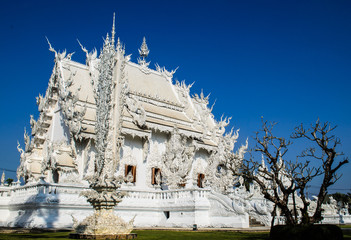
{"points": [[321, 135], [280, 179]]}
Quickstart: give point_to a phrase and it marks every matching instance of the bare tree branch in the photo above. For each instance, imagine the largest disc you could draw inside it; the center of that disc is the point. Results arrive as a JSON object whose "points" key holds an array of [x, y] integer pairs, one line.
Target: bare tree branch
{"points": [[281, 178]]}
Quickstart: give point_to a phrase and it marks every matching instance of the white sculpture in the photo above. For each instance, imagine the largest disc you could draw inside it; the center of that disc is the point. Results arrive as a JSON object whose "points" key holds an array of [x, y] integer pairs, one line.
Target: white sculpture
{"points": [[178, 159]]}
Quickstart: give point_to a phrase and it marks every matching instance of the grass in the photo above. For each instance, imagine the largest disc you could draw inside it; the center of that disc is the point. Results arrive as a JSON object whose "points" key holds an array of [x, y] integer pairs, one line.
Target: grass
{"points": [[184, 235], [155, 235], [34, 236], [149, 235], [345, 226]]}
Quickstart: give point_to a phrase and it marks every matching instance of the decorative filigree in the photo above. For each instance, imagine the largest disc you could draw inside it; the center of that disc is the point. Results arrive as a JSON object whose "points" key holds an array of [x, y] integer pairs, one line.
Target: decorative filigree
{"points": [[103, 194], [92, 62], [183, 91], [103, 128], [219, 173], [61, 157], [137, 111], [27, 141], [148, 98], [74, 114], [146, 145], [219, 130], [203, 115], [23, 169], [178, 159], [163, 71], [40, 102]]}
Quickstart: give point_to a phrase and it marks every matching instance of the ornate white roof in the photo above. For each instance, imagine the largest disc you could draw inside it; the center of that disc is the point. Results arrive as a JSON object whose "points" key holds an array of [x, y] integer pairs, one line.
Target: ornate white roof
{"points": [[166, 104]]}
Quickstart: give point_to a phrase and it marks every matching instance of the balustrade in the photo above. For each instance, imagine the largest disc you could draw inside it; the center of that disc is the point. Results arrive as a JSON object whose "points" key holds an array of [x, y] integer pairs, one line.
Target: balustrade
{"points": [[166, 196]]}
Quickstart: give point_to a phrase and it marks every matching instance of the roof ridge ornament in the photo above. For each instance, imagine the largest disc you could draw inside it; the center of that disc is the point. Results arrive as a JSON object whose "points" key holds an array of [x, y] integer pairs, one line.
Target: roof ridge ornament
{"points": [[119, 47], [144, 52], [118, 43]]}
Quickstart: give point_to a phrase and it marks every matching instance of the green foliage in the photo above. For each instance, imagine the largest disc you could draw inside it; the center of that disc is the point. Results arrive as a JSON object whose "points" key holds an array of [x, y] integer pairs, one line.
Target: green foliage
{"points": [[9, 181]]}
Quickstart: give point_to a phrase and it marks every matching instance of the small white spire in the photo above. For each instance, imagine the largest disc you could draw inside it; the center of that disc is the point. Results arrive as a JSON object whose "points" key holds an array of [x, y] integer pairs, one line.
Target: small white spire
{"points": [[3, 178], [113, 31], [107, 39]]}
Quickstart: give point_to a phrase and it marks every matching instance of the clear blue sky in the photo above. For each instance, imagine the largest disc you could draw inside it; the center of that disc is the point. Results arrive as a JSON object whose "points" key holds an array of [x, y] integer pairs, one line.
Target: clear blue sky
{"points": [[288, 61]]}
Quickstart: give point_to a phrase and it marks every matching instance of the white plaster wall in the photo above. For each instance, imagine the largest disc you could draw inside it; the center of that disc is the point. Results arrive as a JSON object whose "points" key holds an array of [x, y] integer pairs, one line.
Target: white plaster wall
{"points": [[133, 148], [4, 209], [81, 159], [160, 139], [157, 147], [199, 166], [58, 131]]}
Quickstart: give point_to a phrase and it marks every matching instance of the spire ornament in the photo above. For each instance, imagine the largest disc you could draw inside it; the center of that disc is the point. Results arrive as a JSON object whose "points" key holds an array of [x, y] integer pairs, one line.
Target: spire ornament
{"points": [[104, 190], [144, 52]]}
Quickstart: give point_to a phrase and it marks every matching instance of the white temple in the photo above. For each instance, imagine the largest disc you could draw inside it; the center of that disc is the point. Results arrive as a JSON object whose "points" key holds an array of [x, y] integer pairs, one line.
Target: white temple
{"points": [[174, 157]]}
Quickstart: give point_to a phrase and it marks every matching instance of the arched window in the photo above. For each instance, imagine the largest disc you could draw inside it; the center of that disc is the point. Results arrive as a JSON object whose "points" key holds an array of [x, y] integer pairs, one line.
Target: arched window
{"points": [[200, 180], [156, 176], [130, 173]]}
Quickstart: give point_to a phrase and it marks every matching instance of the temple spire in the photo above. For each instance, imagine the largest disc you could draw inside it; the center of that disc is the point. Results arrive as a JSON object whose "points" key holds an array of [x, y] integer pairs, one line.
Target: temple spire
{"points": [[113, 31], [144, 52]]}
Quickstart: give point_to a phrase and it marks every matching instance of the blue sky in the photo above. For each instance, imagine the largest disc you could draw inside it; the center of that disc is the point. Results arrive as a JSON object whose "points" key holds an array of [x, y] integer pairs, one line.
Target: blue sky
{"points": [[288, 61]]}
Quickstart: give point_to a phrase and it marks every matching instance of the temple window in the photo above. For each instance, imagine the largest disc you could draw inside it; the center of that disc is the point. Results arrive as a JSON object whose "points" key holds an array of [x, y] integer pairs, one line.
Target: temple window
{"points": [[130, 173], [55, 176], [200, 180], [156, 176]]}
